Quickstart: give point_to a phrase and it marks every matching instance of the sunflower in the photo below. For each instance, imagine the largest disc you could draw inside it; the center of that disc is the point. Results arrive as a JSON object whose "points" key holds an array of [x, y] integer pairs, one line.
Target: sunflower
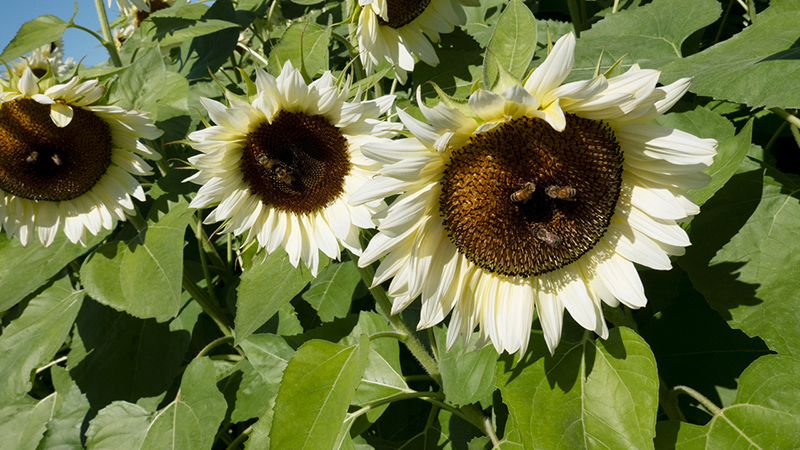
{"points": [[66, 160], [132, 13], [282, 166], [393, 29], [47, 57], [540, 198]]}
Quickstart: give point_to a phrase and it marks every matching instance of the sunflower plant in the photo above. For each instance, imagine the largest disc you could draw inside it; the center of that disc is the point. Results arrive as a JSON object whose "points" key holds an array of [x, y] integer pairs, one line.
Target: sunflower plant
{"points": [[452, 224]]}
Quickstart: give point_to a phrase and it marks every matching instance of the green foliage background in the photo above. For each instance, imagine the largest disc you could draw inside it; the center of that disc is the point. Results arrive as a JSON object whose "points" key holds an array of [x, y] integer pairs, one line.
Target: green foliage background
{"points": [[222, 348]]}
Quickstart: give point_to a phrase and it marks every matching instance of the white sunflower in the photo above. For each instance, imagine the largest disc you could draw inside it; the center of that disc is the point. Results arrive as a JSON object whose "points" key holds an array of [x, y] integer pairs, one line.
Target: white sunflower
{"points": [[541, 198], [66, 160], [282, 166], [49, 56], [132, 13], [396, 30]]}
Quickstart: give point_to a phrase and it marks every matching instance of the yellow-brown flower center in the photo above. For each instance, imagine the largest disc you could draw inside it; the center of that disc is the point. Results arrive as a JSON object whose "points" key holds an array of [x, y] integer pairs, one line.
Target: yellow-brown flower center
{"points": [[403, 12], [297, 163], [524, 199], [40, 161]]}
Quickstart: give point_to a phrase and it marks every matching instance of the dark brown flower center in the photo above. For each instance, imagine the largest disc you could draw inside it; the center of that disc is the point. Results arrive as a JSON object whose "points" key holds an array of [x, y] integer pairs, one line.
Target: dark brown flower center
{"points": [[403, 12], [40, 161], [155, 5], [524, 199], [297, 163]]}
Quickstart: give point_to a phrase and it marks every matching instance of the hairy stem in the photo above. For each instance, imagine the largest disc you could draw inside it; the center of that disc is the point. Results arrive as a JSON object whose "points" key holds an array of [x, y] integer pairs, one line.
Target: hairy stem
{"points": [[385, 307], [699, 397], [108, 40]]}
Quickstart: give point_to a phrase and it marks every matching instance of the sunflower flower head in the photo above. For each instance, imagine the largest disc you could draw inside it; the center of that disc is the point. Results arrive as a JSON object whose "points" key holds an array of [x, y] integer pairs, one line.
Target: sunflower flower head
{"points": [[49, 57], [67, 160], [396, 30], [539, 198], [281, 166]]}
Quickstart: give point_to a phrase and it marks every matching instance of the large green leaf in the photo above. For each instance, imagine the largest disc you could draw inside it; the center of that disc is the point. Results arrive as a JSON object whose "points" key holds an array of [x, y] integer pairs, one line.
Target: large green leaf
{"points": [[306, 46], [117, 357], [33, 34], [331, 292], [591, 394], [34, 338], [190, 421], [752, 67], [168, 27], [765, 414], [651, 35], [265, 288], [745, 244], [37, 263], [143, 276], [268, 355], [315, 392], [23, 424], [383, 376], [482, 19], [204, 55], [468, 375], [68, 414], [511, 47]]}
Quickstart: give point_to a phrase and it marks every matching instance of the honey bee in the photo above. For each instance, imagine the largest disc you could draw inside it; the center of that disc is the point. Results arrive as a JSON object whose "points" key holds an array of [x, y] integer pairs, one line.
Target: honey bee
{"points": [[561, 192], [265, 161], [56, 159], [32, 157], [284, 175], [524, 194], [551, 239]]}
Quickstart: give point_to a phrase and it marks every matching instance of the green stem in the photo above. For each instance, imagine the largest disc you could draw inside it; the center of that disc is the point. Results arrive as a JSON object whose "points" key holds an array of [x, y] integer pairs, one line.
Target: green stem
{"points": [[50, 364], [239, 439], [108, 40], [722, 22], [203, 261], [751, 10], [385, 307], [669, 402], [403, 396], [387, 334], [575, 16], [699, 397], [209, 308], [214, 344], [791, 118], [482, 422]]}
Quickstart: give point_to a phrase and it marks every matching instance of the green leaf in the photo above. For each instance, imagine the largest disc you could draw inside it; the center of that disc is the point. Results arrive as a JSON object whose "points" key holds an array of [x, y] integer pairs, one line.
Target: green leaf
{"points": [[34, 338], [765, 414], [268, 355], [316, 390], [467, 375], [190, 421], [167, 28], [482, 19], [731, 149], [306, 46], [331, 292], [743, 254], [64, 428], [651, 35], [23, 424], [383, 376], [673, 435], [753, 67], [591, 394], [511, 47], [460, 63], [264, 289], [37, 263], [117, 357], [206, 54], [143, 276], [33, 34]]}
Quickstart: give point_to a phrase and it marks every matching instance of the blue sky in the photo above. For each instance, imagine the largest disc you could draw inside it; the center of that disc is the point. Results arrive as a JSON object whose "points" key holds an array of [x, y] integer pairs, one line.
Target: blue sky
{"points": [[77, 43]]}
